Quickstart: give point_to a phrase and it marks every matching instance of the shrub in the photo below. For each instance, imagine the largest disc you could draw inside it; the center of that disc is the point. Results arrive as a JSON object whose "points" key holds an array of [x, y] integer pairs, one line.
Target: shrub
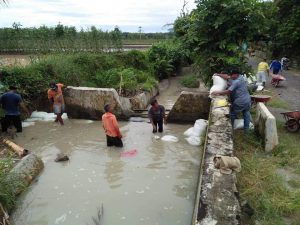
{"points": [[190, 81]]}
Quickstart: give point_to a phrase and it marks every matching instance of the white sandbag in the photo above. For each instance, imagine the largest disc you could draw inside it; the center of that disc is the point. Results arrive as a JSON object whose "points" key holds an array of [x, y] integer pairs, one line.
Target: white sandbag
{"points": [[239, 124], [193, 140], [200, 127], [189, 132], [44, 116], [219, 84], [259, 88], [169, 138], [27, 124]]}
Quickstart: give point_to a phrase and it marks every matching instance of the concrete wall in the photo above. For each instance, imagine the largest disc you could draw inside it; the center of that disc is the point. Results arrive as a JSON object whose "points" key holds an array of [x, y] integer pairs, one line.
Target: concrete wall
{"points": [[216, 203], [189, 107], [88, 103], [265, 125]]}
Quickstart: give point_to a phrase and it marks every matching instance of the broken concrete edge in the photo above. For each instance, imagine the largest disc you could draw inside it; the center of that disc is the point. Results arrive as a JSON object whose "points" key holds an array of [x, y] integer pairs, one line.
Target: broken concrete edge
{"points": [[189, 107], [216, 200], [88, 103], [25, 171], [265, 125]]}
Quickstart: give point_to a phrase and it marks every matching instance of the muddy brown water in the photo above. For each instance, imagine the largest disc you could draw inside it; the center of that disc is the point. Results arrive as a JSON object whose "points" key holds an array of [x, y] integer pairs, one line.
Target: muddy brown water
{"points": [[155, 187]]}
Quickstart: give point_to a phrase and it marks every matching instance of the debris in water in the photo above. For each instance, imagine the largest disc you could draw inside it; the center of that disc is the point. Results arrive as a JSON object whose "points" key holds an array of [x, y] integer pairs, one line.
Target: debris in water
{"points": [[156, 137], [61, 158], [140, 192], [97, 220], [130, 153], [61, 219], [169, 138]]}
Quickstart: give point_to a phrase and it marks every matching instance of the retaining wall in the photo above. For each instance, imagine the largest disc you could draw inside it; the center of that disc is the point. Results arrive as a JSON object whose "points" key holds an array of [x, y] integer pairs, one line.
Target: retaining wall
{"points": [[189, 107], [216, 201], [265, 125], [88, 103]]}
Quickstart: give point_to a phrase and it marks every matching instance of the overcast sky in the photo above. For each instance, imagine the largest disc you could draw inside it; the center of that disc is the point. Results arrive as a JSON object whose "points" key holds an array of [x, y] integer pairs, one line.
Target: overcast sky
{"points": [[152, 15]]}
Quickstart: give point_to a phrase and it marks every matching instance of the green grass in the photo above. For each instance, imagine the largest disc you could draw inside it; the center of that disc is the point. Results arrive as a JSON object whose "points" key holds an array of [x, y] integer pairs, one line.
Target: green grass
{"points": [[276, 101], [258, 181], [190, 81]]}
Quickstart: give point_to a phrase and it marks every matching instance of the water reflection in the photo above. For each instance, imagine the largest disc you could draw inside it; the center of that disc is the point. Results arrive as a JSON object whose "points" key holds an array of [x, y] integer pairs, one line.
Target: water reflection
{"points": [[114, 168]]}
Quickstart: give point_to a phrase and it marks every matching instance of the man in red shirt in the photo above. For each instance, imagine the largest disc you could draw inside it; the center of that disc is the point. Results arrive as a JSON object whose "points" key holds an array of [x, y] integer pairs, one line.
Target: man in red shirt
{"points": [[56, 98], [111, 127]]}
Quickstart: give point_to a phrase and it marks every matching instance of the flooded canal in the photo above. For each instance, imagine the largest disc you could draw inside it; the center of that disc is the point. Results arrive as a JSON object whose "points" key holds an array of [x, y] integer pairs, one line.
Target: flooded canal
{"points": [[157, 186]]}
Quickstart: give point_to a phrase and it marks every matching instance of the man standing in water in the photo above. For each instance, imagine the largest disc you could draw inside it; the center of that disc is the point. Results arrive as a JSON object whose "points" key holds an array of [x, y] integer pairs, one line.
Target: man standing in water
{"points": [[156, 114], [11, 101], [240, 97], [111, 127], [56, 98]]}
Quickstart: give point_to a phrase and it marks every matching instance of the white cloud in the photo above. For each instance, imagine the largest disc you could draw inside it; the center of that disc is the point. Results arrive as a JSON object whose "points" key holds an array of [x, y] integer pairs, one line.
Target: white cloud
{"points": [[152, 15]]}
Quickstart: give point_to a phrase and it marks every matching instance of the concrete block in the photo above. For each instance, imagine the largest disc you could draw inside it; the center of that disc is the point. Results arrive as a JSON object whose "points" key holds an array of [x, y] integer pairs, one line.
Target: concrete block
{"points": [[189, 107], [265, 125]]}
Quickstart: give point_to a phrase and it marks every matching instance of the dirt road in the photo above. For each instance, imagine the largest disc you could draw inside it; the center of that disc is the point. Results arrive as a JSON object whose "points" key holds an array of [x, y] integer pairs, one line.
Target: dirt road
{"points": [[288, 90]]}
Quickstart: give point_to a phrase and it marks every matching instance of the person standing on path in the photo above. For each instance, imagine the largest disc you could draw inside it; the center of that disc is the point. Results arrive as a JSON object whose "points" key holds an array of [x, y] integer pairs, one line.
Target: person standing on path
{"points": [[276, 67], [262, 72], [240, 97], [111, 127], [11, 102], [56, 98], [157, 117]]}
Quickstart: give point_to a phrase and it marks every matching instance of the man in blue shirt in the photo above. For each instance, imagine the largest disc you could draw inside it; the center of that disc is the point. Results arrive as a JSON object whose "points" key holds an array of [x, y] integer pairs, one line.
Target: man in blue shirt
{"points": [[276, 66], [11, 101], [240, 97]]}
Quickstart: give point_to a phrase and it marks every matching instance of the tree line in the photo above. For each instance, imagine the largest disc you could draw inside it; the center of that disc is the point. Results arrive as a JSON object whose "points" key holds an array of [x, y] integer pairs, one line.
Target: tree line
{"points": [[67, 38]]}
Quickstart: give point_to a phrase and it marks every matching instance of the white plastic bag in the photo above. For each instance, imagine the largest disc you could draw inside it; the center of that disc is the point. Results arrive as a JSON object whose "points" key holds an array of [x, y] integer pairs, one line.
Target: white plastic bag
{"points": [[169, 138], [43, 116], [239, 124], [219, 84], [193, 140], [27, 124], [189, 132]]}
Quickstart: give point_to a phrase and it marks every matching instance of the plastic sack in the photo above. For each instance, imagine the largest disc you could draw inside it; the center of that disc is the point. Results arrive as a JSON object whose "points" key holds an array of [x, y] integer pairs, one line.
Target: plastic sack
{"points": [[169, 138], [239, 124], [200, 127], [193, 140], [43, 116], [219, 84], [189, 132], [27, 124]]}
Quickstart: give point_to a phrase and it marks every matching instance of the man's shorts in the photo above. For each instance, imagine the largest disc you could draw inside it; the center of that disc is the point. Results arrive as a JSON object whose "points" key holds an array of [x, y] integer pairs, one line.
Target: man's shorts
{"points": [[58, 108], [261, 76]]}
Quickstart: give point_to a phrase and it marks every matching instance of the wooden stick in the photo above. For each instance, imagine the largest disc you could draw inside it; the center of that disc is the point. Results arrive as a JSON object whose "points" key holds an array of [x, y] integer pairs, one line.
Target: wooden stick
{"points": [[18, 149], [5, 217]]}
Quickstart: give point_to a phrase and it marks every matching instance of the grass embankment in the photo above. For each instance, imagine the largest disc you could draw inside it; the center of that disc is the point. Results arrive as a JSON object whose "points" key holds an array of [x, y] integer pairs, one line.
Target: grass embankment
{"points": [[274, 196], [276, 101], [7, 183], [128, 71]]}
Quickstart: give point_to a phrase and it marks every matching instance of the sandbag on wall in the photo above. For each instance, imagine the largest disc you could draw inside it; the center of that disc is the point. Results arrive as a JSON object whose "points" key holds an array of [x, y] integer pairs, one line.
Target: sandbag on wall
{"points": [[219, 84]]}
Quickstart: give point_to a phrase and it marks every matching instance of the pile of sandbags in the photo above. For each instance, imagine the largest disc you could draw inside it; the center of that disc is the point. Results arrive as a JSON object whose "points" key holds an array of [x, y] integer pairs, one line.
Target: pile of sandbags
{"points": [[43, 116], [219, 84], [196, 132]]}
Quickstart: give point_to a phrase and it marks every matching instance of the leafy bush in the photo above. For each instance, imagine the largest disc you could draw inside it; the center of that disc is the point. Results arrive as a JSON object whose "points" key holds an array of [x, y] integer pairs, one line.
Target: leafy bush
{"points": [[167, 58], [190, 81]]}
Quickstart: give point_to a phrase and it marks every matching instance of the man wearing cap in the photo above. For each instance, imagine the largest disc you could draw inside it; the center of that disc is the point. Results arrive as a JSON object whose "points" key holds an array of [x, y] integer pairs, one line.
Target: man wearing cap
{"points": [[111, 127], [11, 101], [156, 114], [56, 98], [262, 72], [239, 95]]}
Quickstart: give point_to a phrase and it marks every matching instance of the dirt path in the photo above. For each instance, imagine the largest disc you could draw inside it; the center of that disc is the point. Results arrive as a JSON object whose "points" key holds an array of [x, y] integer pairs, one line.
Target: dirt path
{"points": [[288, 90], [170, 89]]}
